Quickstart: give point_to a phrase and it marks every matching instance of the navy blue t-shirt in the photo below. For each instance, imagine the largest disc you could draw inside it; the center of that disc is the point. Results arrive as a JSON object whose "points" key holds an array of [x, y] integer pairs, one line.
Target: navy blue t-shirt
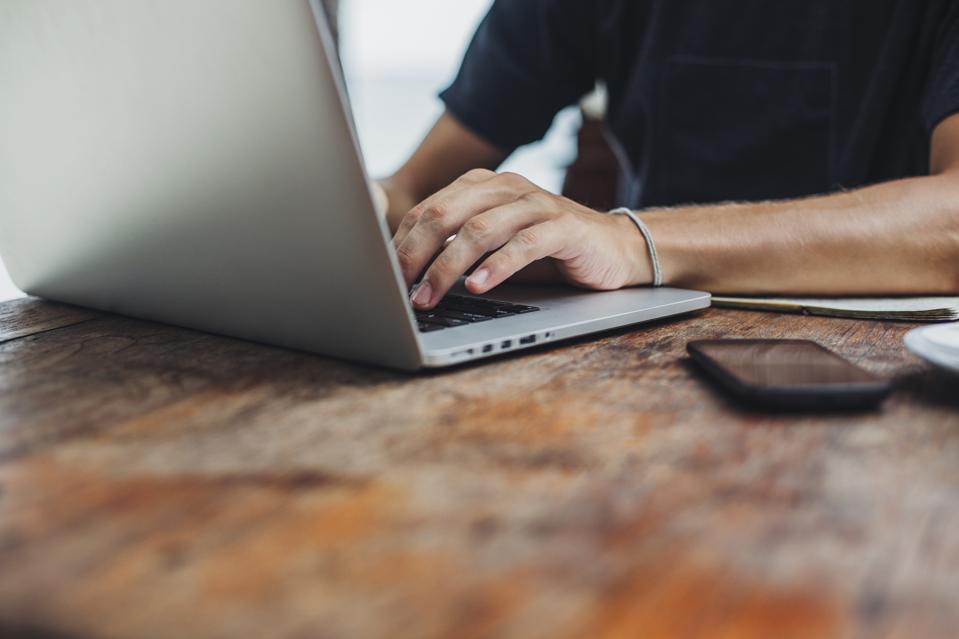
{"points": [[715, 100]]}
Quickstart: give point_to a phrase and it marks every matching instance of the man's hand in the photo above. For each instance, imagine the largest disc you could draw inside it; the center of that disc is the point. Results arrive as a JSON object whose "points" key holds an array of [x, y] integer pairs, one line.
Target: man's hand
{"points": [[513, 223], [893, 238]]}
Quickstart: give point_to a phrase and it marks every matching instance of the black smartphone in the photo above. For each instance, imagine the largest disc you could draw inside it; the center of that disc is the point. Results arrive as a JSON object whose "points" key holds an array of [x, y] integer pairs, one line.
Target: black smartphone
{"points": [[788, 374]]}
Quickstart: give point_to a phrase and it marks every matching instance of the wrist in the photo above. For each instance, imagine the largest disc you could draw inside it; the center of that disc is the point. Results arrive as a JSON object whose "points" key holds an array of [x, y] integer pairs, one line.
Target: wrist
{"points": [[635, 252], [680, 249]]}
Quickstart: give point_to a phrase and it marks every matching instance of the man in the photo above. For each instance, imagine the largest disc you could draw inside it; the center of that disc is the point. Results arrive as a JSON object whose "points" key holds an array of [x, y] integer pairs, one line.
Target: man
{"points": [[826, 130]]}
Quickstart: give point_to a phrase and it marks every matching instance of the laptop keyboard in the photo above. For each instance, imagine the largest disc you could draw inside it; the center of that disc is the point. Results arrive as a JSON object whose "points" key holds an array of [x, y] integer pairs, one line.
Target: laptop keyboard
{"points": [[458, 310]]}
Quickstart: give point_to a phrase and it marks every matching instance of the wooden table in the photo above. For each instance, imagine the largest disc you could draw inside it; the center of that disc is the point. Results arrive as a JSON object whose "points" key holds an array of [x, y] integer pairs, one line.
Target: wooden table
{"points": [[158, 482]]}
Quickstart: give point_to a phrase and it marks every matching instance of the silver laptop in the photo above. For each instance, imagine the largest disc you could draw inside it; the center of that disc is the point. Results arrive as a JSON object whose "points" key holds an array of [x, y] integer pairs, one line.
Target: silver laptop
{"points": [[194, 162]]}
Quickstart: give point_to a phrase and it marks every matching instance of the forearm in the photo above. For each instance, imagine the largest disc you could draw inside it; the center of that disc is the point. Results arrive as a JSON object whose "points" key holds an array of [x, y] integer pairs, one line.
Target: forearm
{"points": [[448, 151], [897, 237]]}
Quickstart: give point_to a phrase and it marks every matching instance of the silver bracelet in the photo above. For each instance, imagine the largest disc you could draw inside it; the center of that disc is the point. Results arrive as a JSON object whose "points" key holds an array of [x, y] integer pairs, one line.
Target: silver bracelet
{"points": [[653, 255]]}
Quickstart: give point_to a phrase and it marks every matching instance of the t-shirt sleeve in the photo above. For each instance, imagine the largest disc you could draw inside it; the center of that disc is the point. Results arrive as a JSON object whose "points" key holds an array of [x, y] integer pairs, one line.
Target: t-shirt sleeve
{"points": [[528, 60], [942, 93]]}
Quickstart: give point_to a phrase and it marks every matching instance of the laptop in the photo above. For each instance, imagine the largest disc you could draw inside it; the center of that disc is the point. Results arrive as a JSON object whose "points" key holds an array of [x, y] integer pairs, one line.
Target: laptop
{"points": [[195, 163]]}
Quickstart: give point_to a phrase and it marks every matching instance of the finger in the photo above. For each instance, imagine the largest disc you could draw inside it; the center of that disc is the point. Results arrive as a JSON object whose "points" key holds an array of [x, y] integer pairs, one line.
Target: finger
{"points": [[477, 237], [446, 214], [409, 220], [496, 188], [430, 212], [529, 245]]}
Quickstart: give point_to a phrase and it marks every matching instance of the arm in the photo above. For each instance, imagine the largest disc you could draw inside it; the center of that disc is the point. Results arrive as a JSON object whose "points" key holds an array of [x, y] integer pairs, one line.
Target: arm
{"points": [[898, 237], [894, 238], [527, 60], [448, 151]]}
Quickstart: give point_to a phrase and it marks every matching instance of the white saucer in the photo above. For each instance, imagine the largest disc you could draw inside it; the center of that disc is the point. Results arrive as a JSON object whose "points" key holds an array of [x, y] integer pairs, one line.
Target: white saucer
{"points": [[938, 345]]}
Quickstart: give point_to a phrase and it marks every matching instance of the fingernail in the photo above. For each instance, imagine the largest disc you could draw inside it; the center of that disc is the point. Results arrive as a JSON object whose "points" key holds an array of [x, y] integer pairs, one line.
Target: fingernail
{"points": [[479, 277], [423, 294]]}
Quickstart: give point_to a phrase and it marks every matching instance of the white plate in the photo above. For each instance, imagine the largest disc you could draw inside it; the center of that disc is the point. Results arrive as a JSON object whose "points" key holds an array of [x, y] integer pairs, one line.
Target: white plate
{"points": [[938, 345]]}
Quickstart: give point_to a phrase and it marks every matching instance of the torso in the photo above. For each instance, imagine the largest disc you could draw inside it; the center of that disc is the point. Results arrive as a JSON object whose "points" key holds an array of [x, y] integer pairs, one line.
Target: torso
{"points": [[714, 100]]}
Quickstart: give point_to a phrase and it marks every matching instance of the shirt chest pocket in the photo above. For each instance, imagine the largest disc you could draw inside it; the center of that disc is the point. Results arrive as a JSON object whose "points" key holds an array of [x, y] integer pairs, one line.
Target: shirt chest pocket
{"points": [[744, 130]]}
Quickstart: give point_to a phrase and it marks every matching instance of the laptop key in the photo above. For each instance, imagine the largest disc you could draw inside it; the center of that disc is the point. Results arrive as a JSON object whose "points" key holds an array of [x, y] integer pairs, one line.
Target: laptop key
{"points": [[489, 313], [459, 310], [477, 301], [465, 316], [432, 318], [485, 304]]}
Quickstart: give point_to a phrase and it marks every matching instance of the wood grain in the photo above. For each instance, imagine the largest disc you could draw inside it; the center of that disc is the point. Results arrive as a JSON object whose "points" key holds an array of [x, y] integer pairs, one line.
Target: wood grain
{"points": [[157, 482], [24, 317]]}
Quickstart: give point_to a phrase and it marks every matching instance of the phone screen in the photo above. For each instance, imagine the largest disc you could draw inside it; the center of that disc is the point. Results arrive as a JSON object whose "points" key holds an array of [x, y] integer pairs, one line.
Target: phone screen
{"points": [[782, 363]]}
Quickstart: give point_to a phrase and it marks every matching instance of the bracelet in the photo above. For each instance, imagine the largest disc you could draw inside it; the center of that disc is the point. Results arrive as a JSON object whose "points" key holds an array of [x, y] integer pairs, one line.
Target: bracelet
{"points": [[653, 255]]}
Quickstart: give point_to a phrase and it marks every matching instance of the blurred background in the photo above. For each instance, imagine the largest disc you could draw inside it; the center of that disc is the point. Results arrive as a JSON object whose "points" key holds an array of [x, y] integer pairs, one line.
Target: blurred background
{"points": [[397, 56]]}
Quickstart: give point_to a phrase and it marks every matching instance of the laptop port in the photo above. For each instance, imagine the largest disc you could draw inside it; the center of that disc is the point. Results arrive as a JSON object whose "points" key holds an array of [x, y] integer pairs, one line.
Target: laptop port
{"points": [[525, 341], [507, 344], [488, 348]]}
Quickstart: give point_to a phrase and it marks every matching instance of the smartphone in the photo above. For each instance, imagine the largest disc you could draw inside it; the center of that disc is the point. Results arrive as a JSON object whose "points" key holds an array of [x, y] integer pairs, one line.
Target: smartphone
{"points": [[788, 374]]}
